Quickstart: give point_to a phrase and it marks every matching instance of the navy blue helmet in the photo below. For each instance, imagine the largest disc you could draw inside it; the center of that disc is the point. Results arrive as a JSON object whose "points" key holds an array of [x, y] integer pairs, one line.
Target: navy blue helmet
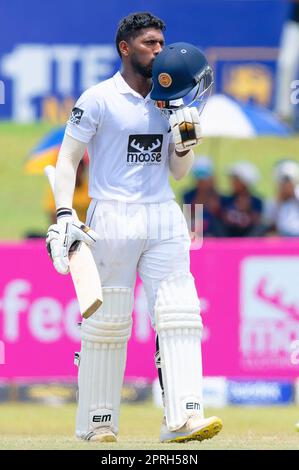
{"points": [[181, 72]]}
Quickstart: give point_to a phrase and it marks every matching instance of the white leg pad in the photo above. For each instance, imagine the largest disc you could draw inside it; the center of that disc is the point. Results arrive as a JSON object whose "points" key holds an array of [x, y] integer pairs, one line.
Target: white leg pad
{"points": [[102, 362], [179, 326]]}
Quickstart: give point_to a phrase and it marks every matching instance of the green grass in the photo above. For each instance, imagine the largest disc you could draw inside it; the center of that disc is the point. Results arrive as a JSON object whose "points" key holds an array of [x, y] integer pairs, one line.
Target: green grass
{"points": [[21, 202], [28, 426]]}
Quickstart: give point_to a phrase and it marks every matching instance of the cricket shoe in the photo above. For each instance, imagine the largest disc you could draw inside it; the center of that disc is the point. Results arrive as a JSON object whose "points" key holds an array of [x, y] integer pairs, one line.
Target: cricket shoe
{"points": [[104, 434], [195, 429]]}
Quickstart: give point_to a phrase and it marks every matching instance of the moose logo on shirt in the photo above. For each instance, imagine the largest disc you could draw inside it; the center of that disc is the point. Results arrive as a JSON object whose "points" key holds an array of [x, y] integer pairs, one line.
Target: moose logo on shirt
{"points": [[144, 149]]}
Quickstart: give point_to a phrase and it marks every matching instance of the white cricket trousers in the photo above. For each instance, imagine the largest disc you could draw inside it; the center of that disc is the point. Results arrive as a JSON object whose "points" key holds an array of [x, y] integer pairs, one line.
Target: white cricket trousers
{"points": [[151, 239]]}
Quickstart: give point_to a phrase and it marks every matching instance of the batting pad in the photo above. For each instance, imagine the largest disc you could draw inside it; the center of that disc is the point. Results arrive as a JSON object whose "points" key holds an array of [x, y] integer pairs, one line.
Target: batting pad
{"points": [[102, 362], [179, 326]]}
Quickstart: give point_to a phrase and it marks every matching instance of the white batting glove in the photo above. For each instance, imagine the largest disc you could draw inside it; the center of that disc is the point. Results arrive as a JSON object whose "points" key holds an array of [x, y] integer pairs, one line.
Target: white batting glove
{"points": [[185, 128], [65, 236]]}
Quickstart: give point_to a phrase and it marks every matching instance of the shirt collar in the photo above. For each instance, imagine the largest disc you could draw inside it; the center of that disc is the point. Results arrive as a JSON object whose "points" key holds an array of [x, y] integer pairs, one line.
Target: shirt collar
{"points": [[123, 87]]}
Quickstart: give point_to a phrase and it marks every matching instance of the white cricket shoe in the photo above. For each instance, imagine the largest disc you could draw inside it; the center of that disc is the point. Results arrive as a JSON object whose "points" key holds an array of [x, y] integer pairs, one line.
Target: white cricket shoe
{"points": [[104, 434], [195, 429]]}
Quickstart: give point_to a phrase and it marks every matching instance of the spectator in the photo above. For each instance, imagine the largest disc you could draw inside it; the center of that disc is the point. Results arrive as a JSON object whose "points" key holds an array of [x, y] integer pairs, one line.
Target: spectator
{"points": [[242, 209], [208, 215], [281, 216]]}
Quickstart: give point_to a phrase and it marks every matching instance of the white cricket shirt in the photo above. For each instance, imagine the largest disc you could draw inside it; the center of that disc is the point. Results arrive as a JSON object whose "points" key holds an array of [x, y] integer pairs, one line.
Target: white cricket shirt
{"points": [[128, 143]]}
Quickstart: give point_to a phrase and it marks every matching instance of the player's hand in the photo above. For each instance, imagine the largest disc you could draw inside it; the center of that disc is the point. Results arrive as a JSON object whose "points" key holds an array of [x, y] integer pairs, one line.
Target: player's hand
{"points": [[185, 128], [65, 236]]}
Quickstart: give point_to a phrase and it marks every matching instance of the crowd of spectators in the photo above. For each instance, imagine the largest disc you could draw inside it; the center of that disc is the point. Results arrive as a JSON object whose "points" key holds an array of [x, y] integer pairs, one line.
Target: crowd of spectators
{"points": [[242, 212]]}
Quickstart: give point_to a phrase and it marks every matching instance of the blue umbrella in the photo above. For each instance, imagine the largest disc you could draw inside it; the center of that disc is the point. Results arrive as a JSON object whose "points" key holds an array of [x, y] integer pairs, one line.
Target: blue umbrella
{"points": [[226, 117], [46, 152]]}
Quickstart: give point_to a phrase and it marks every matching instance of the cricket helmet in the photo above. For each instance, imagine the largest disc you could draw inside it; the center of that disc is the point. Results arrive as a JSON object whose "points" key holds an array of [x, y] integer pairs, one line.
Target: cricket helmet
{"points": [[181, 72]]}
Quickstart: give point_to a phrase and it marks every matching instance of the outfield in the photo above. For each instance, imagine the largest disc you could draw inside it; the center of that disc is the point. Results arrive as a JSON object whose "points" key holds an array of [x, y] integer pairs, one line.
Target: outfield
{"points": [[21, 204], [28, 426]]}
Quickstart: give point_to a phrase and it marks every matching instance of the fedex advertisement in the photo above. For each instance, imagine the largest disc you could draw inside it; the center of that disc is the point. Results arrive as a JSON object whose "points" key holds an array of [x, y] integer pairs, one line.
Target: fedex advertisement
{"points": [[249, 305]]}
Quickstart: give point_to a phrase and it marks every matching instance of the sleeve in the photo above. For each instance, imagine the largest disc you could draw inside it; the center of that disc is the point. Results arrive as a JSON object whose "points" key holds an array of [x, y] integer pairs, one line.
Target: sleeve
{"points": [[171, 141], [180, 166], [70, 154], [85, 117]]}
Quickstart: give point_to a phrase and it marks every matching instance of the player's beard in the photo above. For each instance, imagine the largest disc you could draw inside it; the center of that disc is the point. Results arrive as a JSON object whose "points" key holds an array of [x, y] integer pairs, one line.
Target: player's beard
{"points": [[145, 70]]}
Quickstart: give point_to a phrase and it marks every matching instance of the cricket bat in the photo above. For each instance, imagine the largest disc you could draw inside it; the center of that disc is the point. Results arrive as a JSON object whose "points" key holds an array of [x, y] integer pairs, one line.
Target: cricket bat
{"points": [[83, 269]]}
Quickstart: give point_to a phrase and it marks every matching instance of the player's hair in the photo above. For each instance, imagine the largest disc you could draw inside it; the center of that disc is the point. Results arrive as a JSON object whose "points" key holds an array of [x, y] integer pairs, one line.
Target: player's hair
{"points": [[130, 26]]}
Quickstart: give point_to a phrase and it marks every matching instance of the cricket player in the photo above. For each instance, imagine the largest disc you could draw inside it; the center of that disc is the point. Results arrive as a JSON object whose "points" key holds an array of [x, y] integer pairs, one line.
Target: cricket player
{"points": [[135, 226]]}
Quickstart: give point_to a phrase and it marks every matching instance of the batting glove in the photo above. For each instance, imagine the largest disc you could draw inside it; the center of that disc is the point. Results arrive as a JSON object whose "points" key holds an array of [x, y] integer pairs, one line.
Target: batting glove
{"points": [[185, 128], [65, 236]]}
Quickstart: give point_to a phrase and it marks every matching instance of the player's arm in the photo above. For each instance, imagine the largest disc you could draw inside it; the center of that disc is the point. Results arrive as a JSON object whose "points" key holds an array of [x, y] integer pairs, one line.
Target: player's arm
{"points": [[180, 163], [81, 127], [71, 152], [67, 231], [186, 133]]}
